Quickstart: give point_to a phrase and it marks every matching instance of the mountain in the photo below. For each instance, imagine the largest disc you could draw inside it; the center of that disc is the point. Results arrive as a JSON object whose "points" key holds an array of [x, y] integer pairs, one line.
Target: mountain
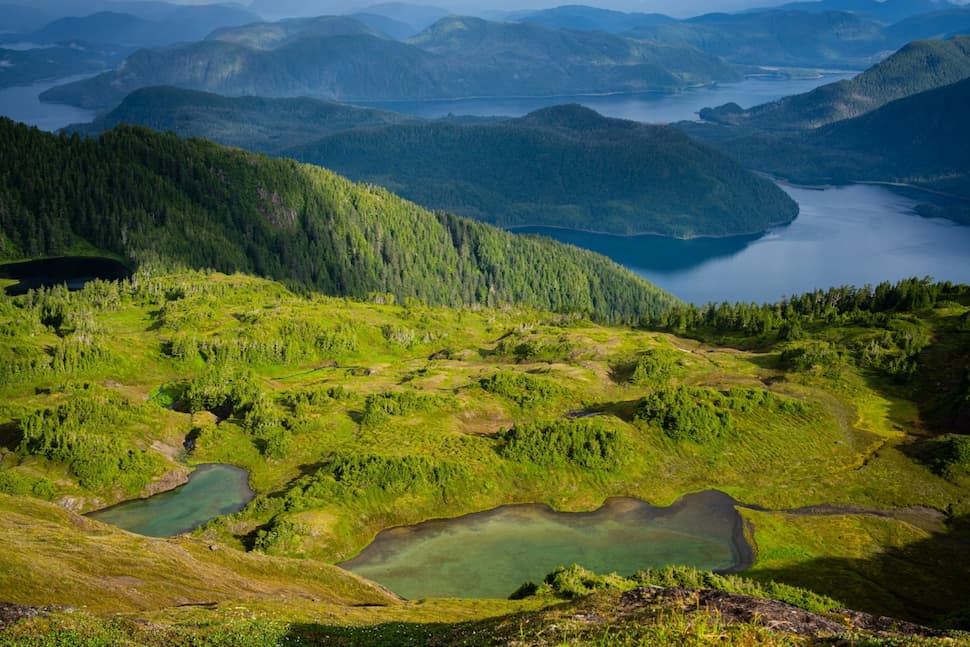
{"points": [[888, 11], [548, 54], [144, 195], [272, 35], [564, 166], [255, 123], [20, 67], [182, 23], [418, 17], [919, 66], [384, 25], [922, 140], [585, 18], [938, 24], [775, 37], [456, 57]]}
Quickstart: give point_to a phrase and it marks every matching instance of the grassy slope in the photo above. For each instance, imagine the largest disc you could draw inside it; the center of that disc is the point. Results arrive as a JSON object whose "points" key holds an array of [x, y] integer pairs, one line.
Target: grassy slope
{"points": [[848, 447]]}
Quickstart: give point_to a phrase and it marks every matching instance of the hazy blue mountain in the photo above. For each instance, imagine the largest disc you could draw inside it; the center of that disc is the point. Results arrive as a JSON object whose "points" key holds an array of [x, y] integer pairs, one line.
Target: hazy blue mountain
{"points": [[388, 26], [254, 123], [939, 24], [773, 37], [919, 66], [20, 67], [456, 57], [186, 23], [585, 18], [271, 35], [18, 18], [562, 55], [886, 10], [418, 16], [564, 166]]}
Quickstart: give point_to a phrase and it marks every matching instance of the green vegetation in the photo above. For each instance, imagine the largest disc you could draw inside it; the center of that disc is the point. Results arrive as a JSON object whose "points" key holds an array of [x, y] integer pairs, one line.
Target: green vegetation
{"points": [[154, 198], [586, 443], [564, 166], [371, 415]]}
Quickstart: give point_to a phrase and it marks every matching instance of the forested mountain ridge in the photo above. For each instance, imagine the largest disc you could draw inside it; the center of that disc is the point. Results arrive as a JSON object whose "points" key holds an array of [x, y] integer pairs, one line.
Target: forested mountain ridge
{"points": [[919, 66], [921, 140], [564, 166], [456, 57], [144, 195], [254, 123]]}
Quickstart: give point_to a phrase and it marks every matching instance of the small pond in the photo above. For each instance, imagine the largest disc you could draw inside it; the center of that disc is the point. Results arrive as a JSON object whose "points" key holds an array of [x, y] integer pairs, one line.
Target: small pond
{"points": [[489, 554], [73, 271], [212, 491]]}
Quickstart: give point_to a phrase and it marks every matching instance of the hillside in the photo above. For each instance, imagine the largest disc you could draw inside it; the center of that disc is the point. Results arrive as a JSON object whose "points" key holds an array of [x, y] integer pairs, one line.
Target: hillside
{"points": [[919, 66], [353, 416], [263, 35], [254, 123], [585, 18], [565, 166], [777, 37], [118, 27], [142, 196], [456, 57], [920, 140]]}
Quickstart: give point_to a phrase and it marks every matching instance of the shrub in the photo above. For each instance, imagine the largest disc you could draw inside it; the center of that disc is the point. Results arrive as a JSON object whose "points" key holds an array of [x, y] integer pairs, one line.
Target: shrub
{"points": [[686, 413], [587, 443]]}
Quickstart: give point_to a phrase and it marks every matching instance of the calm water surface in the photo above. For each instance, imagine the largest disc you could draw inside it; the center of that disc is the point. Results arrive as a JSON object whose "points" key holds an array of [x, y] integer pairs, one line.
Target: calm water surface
{"points": [[213, 490], [650, 107], [843, 236], [21, 103], [490, 554], [72, 271]]}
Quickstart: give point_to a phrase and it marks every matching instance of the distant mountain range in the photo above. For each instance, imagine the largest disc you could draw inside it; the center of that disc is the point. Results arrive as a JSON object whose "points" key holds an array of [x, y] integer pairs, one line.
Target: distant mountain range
{"points": [[115, 27], [455, 57], [584, 18]]}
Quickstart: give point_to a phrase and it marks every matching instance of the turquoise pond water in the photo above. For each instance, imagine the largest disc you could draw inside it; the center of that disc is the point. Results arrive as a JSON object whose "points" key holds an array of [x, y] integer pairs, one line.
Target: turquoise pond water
{"points": [[489, 554], [213, 490]]}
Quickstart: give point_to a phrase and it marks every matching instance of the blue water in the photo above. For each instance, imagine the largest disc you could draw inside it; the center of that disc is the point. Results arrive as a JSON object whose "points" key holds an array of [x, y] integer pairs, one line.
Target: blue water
{"points": [[849, 235]]}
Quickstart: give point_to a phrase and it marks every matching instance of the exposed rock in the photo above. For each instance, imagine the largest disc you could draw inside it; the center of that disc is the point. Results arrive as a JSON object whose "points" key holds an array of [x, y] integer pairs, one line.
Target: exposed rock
{"points": [[778, 616], [11, 613]]}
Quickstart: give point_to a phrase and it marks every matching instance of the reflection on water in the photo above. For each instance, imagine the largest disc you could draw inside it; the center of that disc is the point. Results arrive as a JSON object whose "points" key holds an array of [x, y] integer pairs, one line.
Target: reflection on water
{"points": [[212, 491], [490, 554], [72, 271], [850, 235]]}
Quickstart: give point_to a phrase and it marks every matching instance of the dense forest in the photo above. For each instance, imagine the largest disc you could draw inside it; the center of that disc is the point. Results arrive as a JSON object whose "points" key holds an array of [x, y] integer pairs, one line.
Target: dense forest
{"points": [[145, 196], [564, 166]]}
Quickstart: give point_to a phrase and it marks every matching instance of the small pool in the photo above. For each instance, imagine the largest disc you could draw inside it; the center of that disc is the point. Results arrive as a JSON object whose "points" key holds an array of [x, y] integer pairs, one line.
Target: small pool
{"points": [[489, 554], [212, 491]]}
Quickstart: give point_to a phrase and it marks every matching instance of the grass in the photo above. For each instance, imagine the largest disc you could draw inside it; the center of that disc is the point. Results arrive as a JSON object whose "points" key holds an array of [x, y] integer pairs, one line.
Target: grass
{"points": [[848, 445]]}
